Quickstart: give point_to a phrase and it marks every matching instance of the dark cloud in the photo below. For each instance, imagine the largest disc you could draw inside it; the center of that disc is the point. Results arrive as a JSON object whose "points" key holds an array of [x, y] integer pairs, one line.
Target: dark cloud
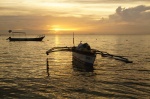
{"points": [[134, 14], [131, 20]]}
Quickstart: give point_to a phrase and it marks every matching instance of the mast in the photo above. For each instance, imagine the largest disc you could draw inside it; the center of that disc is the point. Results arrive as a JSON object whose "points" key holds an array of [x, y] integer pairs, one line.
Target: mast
{"points": [[73, 39]]}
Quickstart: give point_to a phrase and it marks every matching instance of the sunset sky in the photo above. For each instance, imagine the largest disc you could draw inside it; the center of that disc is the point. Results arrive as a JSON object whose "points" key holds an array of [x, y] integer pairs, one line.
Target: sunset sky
{"points": [[81, 16]]}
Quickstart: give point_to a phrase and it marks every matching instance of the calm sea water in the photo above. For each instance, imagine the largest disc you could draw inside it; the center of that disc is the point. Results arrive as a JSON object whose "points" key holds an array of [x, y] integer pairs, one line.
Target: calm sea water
{"points": [[23, 71]]}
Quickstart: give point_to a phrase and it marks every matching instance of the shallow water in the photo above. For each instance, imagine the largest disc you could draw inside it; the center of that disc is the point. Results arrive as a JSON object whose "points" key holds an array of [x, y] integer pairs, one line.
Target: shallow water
{"points": [[23, 71]]}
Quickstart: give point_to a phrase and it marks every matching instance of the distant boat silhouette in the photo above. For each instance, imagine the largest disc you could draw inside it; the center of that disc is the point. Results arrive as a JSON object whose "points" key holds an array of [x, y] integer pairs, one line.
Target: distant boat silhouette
{"points": [[40, 38]]}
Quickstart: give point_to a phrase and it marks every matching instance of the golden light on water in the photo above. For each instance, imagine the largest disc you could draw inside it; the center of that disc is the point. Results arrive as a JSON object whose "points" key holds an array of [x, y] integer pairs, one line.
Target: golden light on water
{"points": [[57, 40]]}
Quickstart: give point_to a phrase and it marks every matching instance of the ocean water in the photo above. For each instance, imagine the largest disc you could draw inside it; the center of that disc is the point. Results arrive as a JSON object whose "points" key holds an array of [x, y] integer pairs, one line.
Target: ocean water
{"points": [[23, 73]]}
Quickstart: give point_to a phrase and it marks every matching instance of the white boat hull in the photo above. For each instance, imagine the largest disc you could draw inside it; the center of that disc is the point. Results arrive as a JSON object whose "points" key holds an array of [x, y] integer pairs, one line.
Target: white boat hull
{"points": [[83, 61]]}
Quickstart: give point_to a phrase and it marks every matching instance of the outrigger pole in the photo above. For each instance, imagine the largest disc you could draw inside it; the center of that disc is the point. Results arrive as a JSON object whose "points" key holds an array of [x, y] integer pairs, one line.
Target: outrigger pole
{"points": [[116, 57], [73, 39], [103, 54]]}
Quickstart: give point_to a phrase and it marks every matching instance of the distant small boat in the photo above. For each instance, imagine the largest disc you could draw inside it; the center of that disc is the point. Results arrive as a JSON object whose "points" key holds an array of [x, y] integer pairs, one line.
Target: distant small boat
{"points": [[26, 39], [40, 38]]}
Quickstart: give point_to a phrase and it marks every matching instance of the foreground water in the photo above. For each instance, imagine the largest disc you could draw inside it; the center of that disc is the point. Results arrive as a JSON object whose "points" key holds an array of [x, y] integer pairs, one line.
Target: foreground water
{"points": [[23, 71]]}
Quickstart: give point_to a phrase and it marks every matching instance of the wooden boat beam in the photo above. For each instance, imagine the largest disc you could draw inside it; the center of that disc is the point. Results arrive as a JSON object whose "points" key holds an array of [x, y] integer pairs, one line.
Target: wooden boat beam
{"points": [[102, 53], [116, 57], [56, 49]]}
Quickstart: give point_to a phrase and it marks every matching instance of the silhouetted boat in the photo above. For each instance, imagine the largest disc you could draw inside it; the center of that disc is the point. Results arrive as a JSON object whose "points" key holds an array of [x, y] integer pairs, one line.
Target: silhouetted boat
{"points": [[40, 38], [83, 56], [26, 39]]}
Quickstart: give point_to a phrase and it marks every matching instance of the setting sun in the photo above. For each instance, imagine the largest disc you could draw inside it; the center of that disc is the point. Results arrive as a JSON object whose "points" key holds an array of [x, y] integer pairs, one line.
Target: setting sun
{"points": [[56, 29], [63, 29]]}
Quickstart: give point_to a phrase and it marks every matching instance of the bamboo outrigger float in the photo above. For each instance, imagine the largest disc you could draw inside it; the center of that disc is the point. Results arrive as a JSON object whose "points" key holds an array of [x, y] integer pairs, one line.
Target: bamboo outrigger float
{"points": [[84, 56]]}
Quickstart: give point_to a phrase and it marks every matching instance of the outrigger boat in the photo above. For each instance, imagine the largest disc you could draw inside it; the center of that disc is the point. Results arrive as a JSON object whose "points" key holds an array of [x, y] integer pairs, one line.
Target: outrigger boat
{"points": [[83, 56], [39, 38]]}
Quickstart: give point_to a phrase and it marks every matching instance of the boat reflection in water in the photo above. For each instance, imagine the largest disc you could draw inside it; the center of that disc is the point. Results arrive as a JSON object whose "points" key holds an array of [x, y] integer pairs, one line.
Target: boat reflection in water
{"points": [[79, 66]]}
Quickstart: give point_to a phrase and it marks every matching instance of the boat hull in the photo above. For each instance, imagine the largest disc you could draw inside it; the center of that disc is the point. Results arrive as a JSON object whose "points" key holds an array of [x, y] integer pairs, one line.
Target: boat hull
{"points": [[83, 61], [25, 39]]}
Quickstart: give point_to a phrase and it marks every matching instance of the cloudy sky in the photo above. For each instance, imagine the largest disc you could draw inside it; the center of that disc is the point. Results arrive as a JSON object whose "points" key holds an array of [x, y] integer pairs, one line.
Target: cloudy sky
{"points": [[81, 16]]}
